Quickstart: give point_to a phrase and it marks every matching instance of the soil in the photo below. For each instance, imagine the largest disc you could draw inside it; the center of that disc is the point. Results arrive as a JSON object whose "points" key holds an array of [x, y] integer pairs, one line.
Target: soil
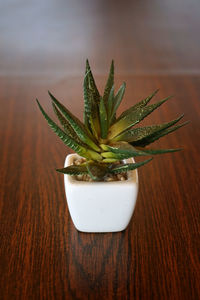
{"points": [[109, 177]]}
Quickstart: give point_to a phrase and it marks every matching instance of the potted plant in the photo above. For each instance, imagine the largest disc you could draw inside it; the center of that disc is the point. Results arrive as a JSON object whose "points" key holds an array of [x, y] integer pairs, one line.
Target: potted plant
{"points": [[101, 179]]}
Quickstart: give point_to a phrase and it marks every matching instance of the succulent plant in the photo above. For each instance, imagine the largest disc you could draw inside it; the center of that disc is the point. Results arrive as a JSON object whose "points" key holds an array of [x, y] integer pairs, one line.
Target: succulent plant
{"points": [[104, 138]]}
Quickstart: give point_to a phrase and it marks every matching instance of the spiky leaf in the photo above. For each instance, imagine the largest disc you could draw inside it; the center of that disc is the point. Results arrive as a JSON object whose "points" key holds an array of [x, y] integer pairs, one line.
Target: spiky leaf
{"points": [[121, 150], [140, 104], [117, 156], [86, 121], [159, 151], [110, 103], [76, 124], [92, 83], [150, 139], [136, 134], [66, 125], [103, 119], [109, 83], [133, 118], [91, 102], [117, 100], [128, 167], [69, 141], [74, 170]]}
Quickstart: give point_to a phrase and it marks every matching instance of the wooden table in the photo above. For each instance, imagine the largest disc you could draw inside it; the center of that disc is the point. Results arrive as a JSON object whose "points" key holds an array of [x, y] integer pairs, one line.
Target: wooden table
{"points": [[42, 256]]}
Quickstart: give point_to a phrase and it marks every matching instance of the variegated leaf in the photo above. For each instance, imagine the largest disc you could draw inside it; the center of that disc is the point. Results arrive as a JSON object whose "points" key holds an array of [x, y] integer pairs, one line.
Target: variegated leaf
{"points": [[110, 104], [128, 167], [103, 119], [140, 104], [74, 170], [150, 139], [91, 102], [139, 133], [69, 141], [133, 118], [109, 84], [92, 84], [75, 124], [121, 150], [66, 125], [117, 100]]}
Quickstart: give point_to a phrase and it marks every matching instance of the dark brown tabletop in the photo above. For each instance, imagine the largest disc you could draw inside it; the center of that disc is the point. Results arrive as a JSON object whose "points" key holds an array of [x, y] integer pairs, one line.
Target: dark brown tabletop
{"points": [[43, 46]]}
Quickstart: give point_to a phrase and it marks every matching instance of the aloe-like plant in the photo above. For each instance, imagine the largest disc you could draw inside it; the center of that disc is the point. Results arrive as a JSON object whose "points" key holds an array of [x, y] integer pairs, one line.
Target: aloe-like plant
{"points": [[104, 138]]}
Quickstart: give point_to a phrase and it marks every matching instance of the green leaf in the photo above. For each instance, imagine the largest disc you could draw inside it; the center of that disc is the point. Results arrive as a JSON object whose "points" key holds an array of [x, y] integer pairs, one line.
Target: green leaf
{"points": [[110, 103], [117, 156], [92, 84], [111, 155], [133, 118], [74, 170], [103, 119], [66, 125], [69, 141], [109, 84], [140, 104], [150, 139], [159, 151], [86, 121], [117, 100], [97, 171], [91, 102], [122, 150], [76, 124], [136, 134], [110, 160], [128, 167], [88, 105]]}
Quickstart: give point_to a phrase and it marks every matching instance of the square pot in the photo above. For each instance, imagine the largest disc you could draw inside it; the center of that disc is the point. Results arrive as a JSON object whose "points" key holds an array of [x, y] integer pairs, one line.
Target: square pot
{"points": [[101, 206]]}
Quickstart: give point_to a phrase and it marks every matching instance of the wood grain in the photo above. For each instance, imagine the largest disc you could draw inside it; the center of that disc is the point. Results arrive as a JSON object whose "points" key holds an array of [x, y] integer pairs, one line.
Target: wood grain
{"points": [[42, 256]]}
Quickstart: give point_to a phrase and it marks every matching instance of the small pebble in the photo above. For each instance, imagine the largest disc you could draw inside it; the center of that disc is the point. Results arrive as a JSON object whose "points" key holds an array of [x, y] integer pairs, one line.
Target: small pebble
{"points": [[109, 179], [79, 177], [87, 177], [119, 176]]}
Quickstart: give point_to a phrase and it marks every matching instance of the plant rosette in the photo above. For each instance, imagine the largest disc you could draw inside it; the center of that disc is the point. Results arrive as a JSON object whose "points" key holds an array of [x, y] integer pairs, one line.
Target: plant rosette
{"points": [[108, 143]]}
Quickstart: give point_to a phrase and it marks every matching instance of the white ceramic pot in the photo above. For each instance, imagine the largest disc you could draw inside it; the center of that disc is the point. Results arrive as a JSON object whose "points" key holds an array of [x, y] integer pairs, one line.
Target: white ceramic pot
{"points": [[101, 206]]}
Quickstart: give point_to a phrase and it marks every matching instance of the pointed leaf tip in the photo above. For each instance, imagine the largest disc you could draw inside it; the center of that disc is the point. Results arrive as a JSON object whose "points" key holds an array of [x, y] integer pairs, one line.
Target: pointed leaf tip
{"points": [[130, 166], [133, 117], [74, 170]]}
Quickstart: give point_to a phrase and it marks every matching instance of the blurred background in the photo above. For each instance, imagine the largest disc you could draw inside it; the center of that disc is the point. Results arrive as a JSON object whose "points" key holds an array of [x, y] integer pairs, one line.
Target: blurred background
{"points": [[52, 39]]}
